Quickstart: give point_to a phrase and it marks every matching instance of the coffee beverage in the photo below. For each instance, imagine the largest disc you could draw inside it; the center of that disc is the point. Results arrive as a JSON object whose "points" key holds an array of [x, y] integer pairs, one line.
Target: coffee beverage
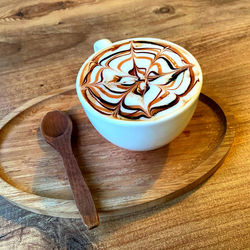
{"points": [[140, 79], [139, 93]]}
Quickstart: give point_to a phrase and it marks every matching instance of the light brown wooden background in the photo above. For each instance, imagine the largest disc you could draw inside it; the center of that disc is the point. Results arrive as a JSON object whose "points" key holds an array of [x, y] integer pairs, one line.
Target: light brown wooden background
{"points": [[42, 45]]}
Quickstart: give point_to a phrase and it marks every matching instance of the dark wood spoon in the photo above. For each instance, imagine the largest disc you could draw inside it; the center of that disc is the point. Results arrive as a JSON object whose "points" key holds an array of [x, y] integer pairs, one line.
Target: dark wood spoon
{"points": [[56, 128]]}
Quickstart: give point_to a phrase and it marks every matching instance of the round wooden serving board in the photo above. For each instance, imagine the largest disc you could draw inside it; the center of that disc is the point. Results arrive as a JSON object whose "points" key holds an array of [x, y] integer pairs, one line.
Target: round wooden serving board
{"points": [[32, 174]]}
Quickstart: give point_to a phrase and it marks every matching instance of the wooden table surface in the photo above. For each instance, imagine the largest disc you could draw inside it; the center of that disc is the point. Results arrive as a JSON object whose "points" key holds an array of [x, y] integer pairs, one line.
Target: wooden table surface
{"points": [[42, 45]]}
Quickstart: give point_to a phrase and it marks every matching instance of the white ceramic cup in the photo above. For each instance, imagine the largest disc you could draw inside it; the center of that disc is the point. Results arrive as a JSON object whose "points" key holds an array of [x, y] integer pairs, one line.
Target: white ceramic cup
{"points": [[139, 135]]}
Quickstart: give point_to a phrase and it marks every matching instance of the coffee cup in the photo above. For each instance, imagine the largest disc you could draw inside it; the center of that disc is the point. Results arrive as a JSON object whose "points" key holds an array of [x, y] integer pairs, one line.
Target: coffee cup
{"points": [[139, 93]]}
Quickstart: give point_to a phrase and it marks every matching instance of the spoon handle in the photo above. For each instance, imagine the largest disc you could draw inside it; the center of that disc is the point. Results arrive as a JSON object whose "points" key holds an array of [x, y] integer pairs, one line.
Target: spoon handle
{"points": [[80, 190]]}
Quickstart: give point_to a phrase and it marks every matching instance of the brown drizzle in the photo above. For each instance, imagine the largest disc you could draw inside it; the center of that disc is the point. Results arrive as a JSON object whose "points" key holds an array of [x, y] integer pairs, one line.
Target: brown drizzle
{"points": [[109, 96]]}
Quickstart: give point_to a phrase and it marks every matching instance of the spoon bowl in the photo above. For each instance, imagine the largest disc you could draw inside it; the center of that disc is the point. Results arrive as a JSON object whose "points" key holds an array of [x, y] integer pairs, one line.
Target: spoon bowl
{"points": [[50, 125]]}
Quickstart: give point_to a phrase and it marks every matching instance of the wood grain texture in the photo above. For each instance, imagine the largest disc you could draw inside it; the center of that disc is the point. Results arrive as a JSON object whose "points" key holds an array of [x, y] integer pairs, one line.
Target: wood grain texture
{"points": [[31, 172], [42, 45]]}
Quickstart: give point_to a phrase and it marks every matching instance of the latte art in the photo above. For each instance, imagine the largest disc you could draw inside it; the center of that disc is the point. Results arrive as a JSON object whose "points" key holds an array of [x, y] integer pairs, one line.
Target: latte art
{"points": [[139, 80]]}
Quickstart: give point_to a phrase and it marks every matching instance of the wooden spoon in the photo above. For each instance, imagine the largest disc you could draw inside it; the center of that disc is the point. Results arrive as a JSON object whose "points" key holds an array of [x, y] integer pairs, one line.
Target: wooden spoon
{"points": [[56, 128]]}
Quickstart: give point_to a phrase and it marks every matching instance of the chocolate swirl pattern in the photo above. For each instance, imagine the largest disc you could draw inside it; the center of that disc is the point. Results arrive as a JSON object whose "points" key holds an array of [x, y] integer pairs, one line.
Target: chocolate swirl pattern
{"points": [[139, 80]]}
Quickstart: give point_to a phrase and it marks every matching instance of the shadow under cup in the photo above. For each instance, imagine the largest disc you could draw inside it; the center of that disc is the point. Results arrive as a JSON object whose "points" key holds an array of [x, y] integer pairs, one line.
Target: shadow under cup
{"points": [[147, 134]]}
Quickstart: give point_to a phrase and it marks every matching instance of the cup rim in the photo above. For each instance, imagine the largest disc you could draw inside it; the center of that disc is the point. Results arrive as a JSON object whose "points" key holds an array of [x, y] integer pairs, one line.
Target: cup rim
{"points": [[159, 119]]}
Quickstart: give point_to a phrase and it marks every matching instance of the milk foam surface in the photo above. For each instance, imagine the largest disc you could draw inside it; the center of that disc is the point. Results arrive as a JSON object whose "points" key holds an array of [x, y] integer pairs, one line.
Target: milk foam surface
{"points": [[140, 79]]}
